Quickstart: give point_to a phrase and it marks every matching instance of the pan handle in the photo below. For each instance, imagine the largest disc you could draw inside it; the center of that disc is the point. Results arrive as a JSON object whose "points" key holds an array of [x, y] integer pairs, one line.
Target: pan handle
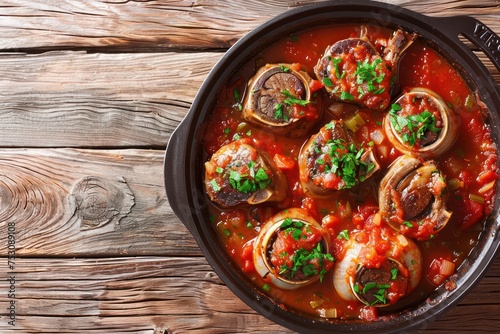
{"points": [[174, 169], [475, 31]]}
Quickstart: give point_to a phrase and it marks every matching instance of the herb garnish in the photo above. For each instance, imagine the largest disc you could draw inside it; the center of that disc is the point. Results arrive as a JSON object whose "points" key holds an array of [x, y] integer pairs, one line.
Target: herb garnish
{"points": [[417, 125], [279, 110], [346, 96], [336, 62], [308, 262], [380, 295], [345, 161], [291, 99], [293, 227], [248, 183], [279, 113], [394, 273], [366, 74], [344, 234]]}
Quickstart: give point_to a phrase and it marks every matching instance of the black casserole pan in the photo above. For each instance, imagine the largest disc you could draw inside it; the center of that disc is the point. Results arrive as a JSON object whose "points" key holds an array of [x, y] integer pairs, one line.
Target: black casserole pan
{"points": [[184, 163]]}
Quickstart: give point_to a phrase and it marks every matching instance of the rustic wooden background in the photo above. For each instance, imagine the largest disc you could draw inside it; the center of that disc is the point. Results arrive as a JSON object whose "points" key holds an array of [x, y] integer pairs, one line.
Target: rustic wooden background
{"points": [[90, 92]]}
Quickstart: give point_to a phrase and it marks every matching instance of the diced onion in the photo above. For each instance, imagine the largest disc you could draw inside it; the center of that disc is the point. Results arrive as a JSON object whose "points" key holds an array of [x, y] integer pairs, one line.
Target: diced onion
{"points": [[328, 313], [377, 137], [402, 240], [336, 108], [447, 268], [377, 219], [383, 150], [486, 187], [476, 198], [438, 279]]}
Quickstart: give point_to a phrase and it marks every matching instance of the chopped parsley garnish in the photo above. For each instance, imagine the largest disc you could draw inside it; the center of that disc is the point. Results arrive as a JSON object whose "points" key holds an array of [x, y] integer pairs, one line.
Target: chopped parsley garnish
{"points": [[380, 296], [344, 234], [293, 227], [291, 99], [408, 224], [394, 273], [236, 94], [249, 183], [279, 113], [413, 127], [336, 62], [215, 185], [284, 68], [366, 73], [327, 82], [310, 263], [344, 161], [346, 96]]}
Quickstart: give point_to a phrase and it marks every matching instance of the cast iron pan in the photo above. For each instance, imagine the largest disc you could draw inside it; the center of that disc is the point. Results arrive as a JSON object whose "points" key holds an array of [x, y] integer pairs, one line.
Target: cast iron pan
{"points": [[184, 157]]}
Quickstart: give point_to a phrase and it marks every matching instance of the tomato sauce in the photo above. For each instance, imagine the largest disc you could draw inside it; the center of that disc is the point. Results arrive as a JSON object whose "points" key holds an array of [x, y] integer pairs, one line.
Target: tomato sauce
{"points": [[469, 166]]}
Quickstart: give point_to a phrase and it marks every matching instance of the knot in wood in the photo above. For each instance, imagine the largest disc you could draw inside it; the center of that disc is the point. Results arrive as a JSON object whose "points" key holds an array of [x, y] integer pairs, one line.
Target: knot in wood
{"points": [[98, 201]]}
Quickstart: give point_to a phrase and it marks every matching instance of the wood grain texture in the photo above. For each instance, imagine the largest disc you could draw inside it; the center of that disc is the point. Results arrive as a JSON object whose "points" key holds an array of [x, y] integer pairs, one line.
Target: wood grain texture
{"points": [[75, 99], [177, 24], [41, 193], [173, 295]]}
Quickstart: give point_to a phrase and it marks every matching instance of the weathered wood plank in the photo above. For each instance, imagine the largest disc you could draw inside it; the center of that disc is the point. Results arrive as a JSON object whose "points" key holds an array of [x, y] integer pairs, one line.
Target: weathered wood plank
{"points": [[74, 99], [126, 295], [68, 202], [146, 25], [170, 295]]}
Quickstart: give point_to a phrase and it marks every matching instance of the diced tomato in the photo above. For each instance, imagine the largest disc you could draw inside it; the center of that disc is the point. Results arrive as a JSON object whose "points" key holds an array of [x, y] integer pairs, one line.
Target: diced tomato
{"points": [[368, 313], [475, 130], [248, 266], [331, 221], [435, 274], [247, 257], [315, 85], [486, 177], [309, 112], [474, 213], [309, 205], [283, 162], [296, 67]]}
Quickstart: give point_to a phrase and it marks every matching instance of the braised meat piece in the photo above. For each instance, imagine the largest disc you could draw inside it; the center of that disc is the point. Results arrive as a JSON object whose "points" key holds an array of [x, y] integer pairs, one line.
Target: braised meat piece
{"points": [[238, 173], [279, 98], [353, 71], [330, 161]]}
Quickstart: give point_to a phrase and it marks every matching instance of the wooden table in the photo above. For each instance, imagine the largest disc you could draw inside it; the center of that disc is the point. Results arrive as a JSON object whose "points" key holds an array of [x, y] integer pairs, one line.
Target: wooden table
{"points": [[90, 93]]}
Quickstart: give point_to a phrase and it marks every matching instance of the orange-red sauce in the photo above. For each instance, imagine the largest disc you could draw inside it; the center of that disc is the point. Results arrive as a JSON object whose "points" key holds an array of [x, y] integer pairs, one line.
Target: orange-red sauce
{"points": [[471, 160]]}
